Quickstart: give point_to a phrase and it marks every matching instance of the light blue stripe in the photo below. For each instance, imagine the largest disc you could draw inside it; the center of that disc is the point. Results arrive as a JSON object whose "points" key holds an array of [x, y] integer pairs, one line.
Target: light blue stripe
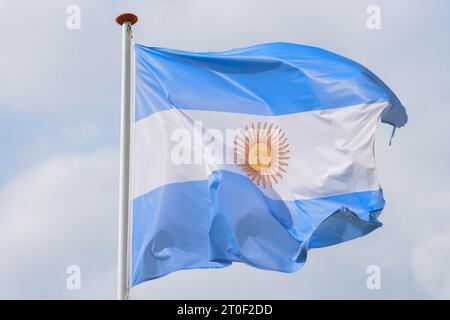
{"points": [[268, 79], [210, 224]]}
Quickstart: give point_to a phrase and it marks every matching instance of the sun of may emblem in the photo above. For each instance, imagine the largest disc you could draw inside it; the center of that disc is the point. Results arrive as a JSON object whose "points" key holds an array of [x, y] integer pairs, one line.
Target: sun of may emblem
{"points": [[261, 151]]}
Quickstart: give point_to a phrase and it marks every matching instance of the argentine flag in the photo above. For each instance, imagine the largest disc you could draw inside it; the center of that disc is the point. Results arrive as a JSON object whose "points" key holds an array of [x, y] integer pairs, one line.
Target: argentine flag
{"points": [[252, 155]]}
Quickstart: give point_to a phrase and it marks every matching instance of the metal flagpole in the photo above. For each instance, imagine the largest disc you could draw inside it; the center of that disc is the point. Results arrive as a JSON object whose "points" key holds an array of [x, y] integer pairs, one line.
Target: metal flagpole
{"points": [[126, 20]]}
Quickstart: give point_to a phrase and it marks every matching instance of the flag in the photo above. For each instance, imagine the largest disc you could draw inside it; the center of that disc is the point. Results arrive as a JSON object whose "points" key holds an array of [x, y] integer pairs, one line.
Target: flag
{"points": [[252, 155]]}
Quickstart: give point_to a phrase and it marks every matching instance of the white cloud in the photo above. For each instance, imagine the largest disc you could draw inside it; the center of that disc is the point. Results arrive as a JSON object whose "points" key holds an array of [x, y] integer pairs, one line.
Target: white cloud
{"points": [[430, 262], [59, 212], [47, 67]]}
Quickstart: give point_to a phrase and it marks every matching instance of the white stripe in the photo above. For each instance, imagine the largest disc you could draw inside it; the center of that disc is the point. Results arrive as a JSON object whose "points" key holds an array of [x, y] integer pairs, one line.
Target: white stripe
{"points": [[331, 151]]}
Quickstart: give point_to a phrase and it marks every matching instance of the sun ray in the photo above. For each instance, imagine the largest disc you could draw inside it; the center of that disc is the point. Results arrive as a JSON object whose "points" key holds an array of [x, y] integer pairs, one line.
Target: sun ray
{"points": [[259, 180]]}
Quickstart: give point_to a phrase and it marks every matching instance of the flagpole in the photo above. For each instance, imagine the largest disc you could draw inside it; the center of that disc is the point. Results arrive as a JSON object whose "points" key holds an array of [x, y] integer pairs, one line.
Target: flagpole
{"points": [[126, 20]]}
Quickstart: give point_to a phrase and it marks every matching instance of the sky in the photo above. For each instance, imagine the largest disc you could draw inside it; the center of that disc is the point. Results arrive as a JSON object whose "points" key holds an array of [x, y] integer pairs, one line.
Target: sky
{"points": [[59, 144]]}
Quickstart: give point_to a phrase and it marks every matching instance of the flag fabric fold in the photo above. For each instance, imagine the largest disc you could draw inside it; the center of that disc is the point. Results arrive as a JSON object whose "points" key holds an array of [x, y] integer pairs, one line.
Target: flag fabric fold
{"points": [[252, 155]]}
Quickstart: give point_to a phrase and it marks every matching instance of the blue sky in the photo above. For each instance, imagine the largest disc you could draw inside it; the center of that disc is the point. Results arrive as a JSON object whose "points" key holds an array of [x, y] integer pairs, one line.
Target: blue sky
{"points": [[59, 133]]}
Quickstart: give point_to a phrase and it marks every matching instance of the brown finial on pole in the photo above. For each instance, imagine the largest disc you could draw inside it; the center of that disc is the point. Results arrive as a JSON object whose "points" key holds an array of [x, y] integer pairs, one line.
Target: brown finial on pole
{"points": [[127, 17]]}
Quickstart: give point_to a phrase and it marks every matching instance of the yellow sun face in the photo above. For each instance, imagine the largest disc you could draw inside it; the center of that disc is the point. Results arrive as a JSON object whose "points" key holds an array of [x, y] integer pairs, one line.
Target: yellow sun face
{"points": [[261, 152], [259, 156]]}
